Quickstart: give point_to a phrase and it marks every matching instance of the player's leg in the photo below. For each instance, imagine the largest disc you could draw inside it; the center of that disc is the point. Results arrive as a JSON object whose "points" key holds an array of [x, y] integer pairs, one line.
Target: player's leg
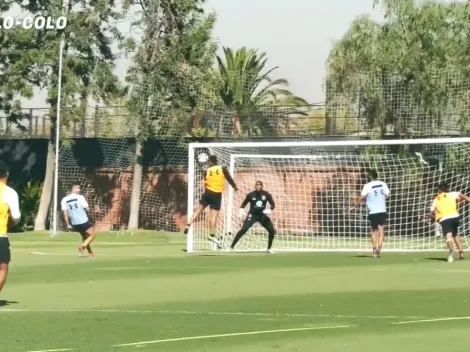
{"points": [[374, 233], [269, 226], [250, 220], [215, 204], [84, 237], [447, 231], [89, 236], [203, 203], [458, 241], [213, 218], [3, 275], [5, 257], [381, 232]]}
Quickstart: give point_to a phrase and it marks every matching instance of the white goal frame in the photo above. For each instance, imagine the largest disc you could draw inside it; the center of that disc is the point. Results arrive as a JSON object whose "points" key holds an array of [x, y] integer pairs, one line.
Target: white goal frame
{"points": [[339, 143]]}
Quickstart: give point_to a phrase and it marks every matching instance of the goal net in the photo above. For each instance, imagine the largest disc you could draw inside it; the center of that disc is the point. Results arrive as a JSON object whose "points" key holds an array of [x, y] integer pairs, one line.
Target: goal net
{"points": [[314, 185]]}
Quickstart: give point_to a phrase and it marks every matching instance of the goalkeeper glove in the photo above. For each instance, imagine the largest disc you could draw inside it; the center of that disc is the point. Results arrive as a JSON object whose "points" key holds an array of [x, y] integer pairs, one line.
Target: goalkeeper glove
{"points": [[241, 213], [267, 211]]}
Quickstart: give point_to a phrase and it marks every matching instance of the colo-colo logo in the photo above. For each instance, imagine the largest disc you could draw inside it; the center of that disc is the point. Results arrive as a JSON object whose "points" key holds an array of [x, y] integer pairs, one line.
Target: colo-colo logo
{"points": [[39, 22]]}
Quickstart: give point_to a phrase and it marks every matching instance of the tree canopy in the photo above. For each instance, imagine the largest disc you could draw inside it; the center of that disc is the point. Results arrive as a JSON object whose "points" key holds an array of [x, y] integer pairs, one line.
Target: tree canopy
{"points": [[246, 86], [407, 75]]}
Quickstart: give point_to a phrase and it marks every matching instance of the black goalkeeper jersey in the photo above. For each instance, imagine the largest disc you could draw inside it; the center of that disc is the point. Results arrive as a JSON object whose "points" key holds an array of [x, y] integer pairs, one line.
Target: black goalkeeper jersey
{"points": [[258, 201]]}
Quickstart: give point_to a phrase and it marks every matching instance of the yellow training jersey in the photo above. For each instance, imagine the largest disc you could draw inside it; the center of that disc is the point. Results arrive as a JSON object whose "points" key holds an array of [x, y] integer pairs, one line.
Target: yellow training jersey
{"points": [[445, 205], [4, 211], [215, 179]]}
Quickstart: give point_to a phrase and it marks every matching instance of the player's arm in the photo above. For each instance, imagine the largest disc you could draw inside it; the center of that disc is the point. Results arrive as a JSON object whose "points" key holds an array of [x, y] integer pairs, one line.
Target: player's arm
{"points": [[63, 206], [83, 203], [463, 197], [270, 200], [432, 211], [229, 178], [386, 190], [362, 197], [241, 212], [14, 206]]}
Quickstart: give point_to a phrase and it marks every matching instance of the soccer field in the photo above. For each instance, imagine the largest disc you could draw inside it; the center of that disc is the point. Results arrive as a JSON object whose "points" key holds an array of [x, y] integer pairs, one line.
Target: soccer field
{"points": [[143, 293]]}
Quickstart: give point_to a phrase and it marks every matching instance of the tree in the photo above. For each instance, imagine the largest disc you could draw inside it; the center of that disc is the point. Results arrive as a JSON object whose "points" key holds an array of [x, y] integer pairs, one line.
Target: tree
{"points": [[405, 76], [169, 74], [30, 59], [247, 88]]}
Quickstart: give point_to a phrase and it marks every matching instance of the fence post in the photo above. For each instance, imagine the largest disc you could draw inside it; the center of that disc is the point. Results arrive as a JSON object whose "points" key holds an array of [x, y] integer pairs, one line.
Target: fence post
{"points": [[31, 122], [83, 131], [97, 121]]}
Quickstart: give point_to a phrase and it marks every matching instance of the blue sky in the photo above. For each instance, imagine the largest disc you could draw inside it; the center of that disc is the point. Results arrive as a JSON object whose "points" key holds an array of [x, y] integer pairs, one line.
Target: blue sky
{"points": [[297, 36]]}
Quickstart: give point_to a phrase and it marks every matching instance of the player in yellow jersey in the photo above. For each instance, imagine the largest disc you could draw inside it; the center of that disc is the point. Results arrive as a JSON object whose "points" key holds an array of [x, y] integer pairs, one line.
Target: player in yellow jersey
{"points": [[214, 182], [9, 213], [445, 210]]}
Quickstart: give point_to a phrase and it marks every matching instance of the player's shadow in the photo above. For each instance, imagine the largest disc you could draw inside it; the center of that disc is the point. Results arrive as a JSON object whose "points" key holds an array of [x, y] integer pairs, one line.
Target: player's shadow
{"points": [[4, 302], [437, 259]]}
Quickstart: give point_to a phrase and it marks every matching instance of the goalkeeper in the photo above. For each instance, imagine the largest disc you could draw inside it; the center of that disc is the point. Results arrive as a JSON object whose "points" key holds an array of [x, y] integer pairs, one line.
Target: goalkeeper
{"points": [[258, 200]]}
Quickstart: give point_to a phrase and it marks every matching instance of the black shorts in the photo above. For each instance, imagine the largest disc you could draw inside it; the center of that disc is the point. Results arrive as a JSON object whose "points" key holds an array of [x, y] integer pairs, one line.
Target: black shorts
{"points": [[211, 199], [5, 253], [450, 226], [82, 227], [377, 219]]}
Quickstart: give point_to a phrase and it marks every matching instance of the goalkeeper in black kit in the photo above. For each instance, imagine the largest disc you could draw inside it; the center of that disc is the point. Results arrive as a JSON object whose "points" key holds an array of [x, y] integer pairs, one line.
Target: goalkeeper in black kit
{"points": [[258, 200]]}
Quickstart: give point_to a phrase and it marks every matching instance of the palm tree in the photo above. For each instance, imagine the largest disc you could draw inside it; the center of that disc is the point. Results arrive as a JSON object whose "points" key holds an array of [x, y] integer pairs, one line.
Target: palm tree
{"points": [[246, 88]]}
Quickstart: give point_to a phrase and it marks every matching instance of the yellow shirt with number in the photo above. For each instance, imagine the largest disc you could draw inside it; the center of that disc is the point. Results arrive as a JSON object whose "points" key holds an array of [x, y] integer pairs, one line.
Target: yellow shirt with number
{"points": [[445, 206], [215, 179], [9, 206]]}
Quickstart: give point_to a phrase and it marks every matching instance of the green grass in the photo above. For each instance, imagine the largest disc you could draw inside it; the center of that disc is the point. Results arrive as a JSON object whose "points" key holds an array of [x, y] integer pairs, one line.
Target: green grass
{"points": [[144, 288]]}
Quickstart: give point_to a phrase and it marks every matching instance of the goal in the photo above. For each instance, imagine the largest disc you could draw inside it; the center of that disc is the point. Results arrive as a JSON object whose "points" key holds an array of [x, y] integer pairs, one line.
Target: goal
{"points": [[314, 185]]}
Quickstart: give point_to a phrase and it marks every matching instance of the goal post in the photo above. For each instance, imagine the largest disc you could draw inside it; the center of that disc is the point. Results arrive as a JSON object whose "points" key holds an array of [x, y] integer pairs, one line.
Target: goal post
{"points": [[314, 184]]}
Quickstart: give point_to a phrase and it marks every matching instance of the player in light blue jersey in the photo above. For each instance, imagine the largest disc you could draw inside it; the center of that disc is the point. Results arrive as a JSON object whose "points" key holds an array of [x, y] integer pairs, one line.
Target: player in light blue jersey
{"points": [[75, 209], [375, 194]]}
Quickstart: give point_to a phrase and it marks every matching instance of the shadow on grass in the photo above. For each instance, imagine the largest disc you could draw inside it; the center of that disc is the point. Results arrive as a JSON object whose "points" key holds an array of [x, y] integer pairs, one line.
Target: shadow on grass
{"points": [[4, 303], [437, 259]]}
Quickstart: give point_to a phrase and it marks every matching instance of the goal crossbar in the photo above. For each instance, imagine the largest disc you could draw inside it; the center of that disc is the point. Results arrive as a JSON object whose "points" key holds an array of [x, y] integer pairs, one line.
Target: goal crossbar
{"points": [[344, 143]]}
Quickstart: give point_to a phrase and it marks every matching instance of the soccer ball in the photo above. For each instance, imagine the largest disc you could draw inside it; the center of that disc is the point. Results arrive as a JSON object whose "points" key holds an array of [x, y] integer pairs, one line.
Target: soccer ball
{"points": [[202, 158]]}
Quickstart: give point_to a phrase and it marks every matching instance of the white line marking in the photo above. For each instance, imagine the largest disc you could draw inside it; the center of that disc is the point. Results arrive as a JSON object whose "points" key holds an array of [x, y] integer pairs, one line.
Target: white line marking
{"points": [[453, 270], [184, 312], [171, 267], [423, 270], [57, 350], [108, 255], [430, 320], [232, 334]]}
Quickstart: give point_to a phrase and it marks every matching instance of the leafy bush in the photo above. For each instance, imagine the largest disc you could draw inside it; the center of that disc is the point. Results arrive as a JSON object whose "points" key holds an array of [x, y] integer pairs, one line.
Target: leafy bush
{"points": [[29, 205]]}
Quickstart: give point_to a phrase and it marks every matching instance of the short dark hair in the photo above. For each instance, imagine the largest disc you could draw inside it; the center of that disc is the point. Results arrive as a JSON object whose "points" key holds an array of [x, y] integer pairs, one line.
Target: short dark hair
{"points": [[3, 169], [260, 182], [373, 174], [76, 183], [443, 187], [213, 159]]}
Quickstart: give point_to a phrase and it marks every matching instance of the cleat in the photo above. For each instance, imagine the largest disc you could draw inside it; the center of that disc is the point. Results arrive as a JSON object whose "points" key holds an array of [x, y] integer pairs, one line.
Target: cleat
{"points": [[461, 256], [80, 251], [186, 230], [215, 240], [270, 251], [450, 259]]}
